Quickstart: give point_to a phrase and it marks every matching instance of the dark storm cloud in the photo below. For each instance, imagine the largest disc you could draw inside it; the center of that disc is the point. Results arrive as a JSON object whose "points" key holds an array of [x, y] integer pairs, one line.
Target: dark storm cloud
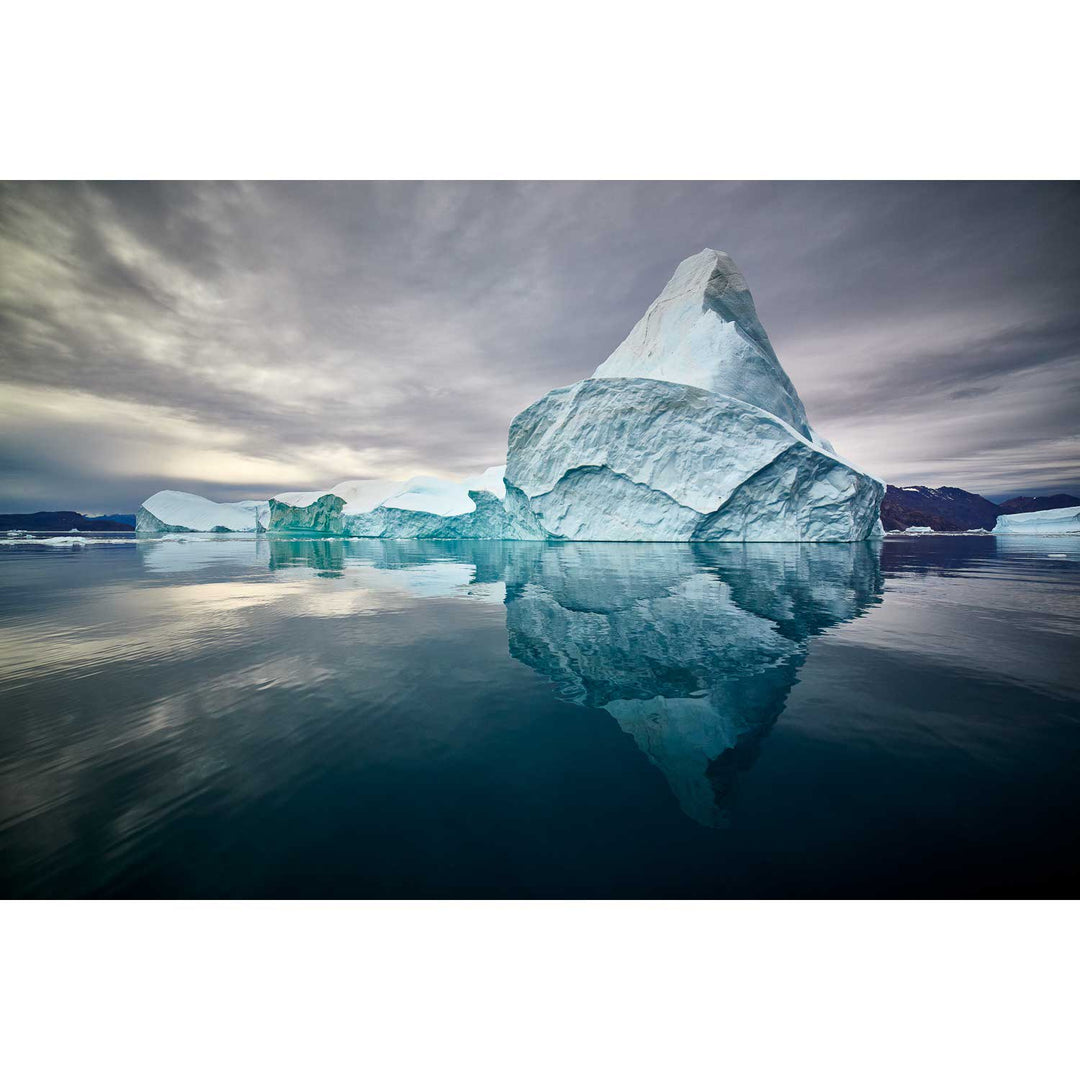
{"points": [[238, 339]]}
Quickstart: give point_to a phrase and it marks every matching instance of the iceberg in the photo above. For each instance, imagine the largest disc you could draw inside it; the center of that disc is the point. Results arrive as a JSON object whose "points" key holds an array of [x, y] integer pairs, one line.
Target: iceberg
{"points": [[690, 430], [1062, 522], [425, 507], [703, 330], [180, 511]]}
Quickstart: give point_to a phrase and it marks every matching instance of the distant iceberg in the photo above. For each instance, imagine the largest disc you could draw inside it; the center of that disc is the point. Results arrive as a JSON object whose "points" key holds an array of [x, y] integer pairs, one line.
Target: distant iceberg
{"points": [[1063, 522], [425, 507], [180, 511]]}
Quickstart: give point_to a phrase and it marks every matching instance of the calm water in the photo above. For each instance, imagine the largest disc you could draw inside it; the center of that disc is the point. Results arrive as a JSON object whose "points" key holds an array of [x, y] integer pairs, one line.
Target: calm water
{"points": [[478, 719]]}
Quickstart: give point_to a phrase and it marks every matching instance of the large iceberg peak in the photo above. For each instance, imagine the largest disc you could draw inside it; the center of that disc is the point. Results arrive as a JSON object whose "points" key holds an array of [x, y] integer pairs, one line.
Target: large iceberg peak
{"points": [[703, 330], [690, 430]]}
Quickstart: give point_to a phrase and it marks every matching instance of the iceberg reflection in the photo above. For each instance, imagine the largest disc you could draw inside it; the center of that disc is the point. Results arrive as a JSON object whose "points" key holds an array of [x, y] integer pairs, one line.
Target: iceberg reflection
{"points": [[692, 649]]}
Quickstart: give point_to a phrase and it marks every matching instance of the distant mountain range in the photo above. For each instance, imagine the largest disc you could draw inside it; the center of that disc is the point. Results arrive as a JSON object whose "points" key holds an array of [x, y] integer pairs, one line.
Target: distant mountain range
{"points": [[950, 509], [65, 520], [1029, 504]]}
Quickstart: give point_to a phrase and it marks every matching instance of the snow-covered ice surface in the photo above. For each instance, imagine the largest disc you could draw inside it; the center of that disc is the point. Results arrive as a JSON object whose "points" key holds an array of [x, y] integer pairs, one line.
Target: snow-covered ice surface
{"points": [[690, 430], [358, 496], [433, 495], [492, 479], [1063, 522], [703, 330], [181, 511]]}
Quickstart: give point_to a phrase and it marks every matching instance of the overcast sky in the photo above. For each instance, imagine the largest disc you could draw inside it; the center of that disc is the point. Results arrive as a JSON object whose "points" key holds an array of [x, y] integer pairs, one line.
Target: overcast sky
{"points": [[241, 339]]}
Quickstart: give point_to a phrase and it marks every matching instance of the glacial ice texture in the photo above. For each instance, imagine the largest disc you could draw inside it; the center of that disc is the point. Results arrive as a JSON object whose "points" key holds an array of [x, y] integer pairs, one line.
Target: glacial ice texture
{"points": [[690, 430], [703, 330], [641, 459], [425, 507]]}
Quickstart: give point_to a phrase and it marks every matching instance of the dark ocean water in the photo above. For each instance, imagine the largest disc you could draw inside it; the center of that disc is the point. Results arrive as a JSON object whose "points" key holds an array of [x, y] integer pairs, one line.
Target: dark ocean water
{"points": [[312, 718]]}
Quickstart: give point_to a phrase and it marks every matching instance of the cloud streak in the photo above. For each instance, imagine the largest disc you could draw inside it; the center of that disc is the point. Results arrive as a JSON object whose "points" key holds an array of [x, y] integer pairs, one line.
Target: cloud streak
{"points": [[234, 339]]}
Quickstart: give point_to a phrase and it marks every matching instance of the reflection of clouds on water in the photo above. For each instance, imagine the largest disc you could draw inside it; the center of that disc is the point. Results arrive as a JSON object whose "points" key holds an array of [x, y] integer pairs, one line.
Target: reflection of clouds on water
{"points": [[422, 570], [215, 672], [692, 649], [184, 556], [1039, 547], [421, 573], [994, 606]]}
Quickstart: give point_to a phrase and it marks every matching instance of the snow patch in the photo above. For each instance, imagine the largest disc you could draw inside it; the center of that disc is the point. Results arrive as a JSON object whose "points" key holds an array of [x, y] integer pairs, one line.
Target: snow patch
{"points": [[172, 510]]}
